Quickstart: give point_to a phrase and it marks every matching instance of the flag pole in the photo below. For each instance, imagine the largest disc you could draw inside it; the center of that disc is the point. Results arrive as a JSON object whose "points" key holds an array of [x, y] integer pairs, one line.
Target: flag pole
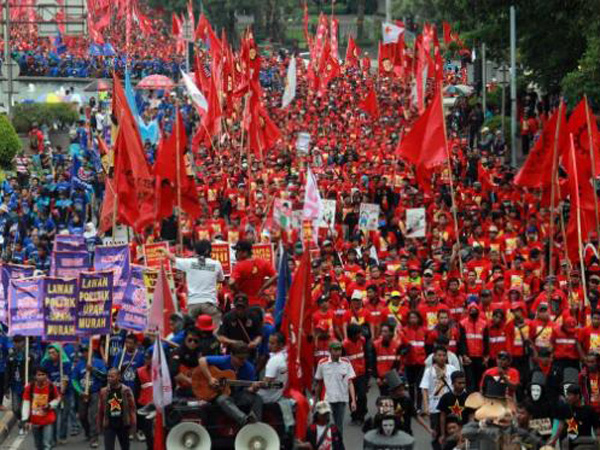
{"points": [[452, 195], [27, 361], [593, 160], [178, 168], [554, 178], [578, 211]]}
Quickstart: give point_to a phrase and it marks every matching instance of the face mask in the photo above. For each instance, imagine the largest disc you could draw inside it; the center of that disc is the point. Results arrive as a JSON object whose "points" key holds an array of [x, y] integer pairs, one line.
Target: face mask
{"points": [[536, 392], [388, 427]]}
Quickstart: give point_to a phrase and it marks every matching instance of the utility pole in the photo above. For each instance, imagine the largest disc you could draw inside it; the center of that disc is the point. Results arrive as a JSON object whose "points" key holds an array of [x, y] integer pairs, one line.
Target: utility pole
{"points": [[513, 86], [8, 68], [388, 10], [483, 79]]}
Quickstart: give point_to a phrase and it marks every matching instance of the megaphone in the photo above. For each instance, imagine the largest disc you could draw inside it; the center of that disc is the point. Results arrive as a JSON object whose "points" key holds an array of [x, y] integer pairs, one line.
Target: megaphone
{"points": [[188, 436], [257, 436]]}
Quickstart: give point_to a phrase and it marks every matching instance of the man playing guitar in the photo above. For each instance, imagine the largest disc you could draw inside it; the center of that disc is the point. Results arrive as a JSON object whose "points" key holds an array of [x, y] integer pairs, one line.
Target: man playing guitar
{"points": [[243, 405]]}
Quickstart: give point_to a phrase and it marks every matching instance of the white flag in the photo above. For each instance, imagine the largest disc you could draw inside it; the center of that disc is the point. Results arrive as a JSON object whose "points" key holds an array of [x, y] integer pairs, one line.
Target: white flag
{"points": [[391, 32], [290, 85], [162, 390], [313, 205], [197, 98]]}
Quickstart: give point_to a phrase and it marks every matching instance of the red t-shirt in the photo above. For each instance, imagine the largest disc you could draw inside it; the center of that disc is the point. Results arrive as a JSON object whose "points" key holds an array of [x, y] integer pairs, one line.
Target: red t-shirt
{"points": [[249, 276], [41, 413]]}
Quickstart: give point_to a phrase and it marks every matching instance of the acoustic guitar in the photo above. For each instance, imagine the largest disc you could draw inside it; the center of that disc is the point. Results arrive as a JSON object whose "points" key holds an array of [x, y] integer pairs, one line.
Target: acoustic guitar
{"points": [[227, 379]]}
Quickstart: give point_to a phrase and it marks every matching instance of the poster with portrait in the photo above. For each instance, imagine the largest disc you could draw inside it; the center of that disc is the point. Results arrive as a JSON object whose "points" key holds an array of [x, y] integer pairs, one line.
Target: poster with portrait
{"points": [[415, 223], [327, 217], [369, 217]]}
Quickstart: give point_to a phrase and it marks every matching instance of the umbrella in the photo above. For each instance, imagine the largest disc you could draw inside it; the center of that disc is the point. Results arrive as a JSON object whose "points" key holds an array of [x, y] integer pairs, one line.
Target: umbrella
{"points": [[156, 82], [50, 98], [98, 86], [459, 89]]}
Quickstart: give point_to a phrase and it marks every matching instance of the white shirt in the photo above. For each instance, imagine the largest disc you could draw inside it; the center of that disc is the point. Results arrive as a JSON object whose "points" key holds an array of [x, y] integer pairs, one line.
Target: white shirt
{"points": [[277, 370], [452, 360], [336, 376], [435, 390], [201, 279]]}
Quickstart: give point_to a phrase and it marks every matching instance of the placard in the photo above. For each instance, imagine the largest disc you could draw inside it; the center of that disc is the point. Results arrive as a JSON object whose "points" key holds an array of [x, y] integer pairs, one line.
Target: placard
{"points": [[415, 223], [282, 213], [133, 314], [303, 143], [25, 310], [10, 272], [94, 303], [264, 251], [60, 308], [154, 258], [69, 243], [115, 258], [222, 253], [327, 218], [369, 217], [69, 263]]}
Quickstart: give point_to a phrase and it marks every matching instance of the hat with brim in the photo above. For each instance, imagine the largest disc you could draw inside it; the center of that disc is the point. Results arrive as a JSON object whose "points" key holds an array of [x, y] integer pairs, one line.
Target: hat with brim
{"points": [[322, 407]]}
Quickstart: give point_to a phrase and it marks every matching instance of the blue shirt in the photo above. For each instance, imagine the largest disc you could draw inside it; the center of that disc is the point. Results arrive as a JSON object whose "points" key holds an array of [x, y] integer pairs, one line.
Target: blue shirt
{"points": [[131, 362], [246, 372]]}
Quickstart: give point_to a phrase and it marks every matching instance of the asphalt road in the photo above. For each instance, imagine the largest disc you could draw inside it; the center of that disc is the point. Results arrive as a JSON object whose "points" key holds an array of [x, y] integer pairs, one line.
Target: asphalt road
{"points": [[353, 436]]}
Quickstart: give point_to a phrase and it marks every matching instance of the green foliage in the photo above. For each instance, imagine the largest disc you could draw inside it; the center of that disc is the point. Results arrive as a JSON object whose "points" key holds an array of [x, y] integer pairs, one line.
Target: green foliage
{"points": [[585, 79], [10, 143], [49, 114], [495, 123]]}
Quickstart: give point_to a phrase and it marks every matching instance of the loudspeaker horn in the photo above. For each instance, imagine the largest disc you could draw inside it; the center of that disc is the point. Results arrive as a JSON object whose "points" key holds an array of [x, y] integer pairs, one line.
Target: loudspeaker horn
{"points": [[257, 436], [188, 436]]}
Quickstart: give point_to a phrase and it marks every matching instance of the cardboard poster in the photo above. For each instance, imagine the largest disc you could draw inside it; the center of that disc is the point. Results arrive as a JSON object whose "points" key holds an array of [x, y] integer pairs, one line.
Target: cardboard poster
{"points": [[415, 223], [327, 218], [369, 217]]}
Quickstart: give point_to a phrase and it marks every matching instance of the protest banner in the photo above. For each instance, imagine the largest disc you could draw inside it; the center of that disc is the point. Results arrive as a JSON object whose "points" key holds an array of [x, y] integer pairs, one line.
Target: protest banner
{"points": [[69, 263], [282, 213], [415, 223], [150, 279], [9, 272], [115, 258], [327, 218], [369, 217], [69, 243], [60, 308], [153, 257], [297, 219], [221, 253], [120, 236], [94, 303], [264, 251], [303, 143], [25, 309], [134, 309]]}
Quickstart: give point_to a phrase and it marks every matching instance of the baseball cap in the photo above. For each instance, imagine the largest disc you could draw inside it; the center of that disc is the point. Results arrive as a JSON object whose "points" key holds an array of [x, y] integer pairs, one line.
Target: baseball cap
{"points": [[395, 294], [322, 407], [335, 345], [204, 323]]}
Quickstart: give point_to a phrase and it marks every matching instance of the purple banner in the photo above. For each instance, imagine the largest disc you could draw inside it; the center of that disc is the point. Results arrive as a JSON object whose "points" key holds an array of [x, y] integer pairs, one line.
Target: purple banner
{"points": [[69, 243], [60, 309], [134, 309], [25, 309], [69, 264], [95, 298], [11, 271], [115, 258]]}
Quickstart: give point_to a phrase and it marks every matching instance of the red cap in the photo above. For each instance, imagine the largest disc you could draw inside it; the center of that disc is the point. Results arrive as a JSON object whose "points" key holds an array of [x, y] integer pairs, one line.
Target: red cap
{"points": [[205, 323]]}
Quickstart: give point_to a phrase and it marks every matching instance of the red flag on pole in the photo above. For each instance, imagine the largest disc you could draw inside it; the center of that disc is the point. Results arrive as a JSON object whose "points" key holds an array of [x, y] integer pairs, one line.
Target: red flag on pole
{"points": [[369, 104], [537, 169], [425, 144], [352, 53], [296, 325], [578, 127]]}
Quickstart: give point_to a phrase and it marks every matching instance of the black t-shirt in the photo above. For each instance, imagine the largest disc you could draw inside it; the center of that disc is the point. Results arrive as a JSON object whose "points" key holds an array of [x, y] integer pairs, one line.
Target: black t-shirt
{"points": [[451, 404], [579, 420], [238, 329], [405, 411], [114, 408]]}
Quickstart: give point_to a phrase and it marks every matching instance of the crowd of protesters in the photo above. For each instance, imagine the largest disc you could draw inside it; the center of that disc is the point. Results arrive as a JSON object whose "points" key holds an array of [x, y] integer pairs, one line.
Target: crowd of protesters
{"points": [[421, 321]]}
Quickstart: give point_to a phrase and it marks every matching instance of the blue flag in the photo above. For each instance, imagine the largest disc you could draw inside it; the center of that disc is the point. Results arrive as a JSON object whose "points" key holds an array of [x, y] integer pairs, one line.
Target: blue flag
{"points": [[150, 131], [108, 50], [96, 50], [283, 285], [130, 94], [59, 45]]}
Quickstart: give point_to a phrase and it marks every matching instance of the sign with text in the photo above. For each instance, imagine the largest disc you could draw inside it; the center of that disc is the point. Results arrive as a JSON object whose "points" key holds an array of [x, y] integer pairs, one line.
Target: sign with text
{"points": [[221, 253], [94, 303], [369, 217], [153, 256], [11, 272], [69, 263], [264, 251], [134, 309], [60, 309], [25, 310]]}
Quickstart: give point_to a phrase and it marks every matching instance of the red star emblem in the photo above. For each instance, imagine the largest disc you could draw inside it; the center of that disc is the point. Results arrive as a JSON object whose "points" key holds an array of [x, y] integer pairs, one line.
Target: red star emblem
{"points": [[456, 409], [388, 29], [572, 426], [114, 404]]}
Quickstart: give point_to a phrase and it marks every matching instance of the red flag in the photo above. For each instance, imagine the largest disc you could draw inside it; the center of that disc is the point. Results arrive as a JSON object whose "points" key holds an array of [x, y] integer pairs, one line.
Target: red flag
{"points": [[168, 149], [190, 11], [369, 104], [162, 305], [425, 144], [296, 325], [334, 39], [307, 35], [176, 27], [159, 432], [578, 127], [263, 133], [204, 31], [352, 53], [537, 169], [582, 218], [211, 121], [447, 33], [108, 204]]}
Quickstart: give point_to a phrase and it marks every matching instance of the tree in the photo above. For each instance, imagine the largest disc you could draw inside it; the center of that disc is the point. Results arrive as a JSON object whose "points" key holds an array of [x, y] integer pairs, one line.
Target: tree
{"points": [[10, 143]]}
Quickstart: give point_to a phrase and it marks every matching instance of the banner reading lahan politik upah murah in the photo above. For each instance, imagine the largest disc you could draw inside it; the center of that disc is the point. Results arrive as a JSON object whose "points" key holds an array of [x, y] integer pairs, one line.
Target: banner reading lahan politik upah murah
{"points": [[94, 303], [116, 259], [9, 272], [25, 310], [133, 314], [60, 308]]}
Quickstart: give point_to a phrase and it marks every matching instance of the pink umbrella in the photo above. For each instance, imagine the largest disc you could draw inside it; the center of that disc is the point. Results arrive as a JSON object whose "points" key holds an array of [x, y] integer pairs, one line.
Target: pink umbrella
{"points": [[156, 82]]}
